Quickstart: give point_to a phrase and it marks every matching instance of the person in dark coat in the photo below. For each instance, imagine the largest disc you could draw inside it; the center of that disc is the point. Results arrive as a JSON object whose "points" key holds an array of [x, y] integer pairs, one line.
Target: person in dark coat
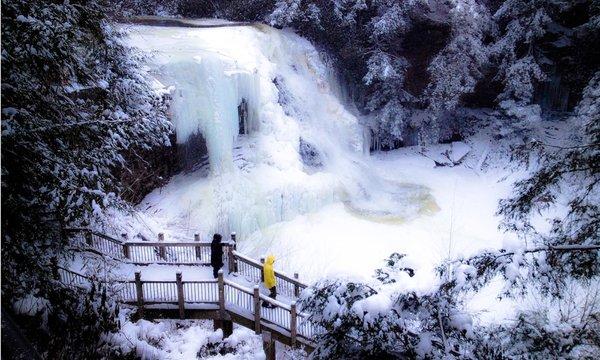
{"points": [[216, 254]]}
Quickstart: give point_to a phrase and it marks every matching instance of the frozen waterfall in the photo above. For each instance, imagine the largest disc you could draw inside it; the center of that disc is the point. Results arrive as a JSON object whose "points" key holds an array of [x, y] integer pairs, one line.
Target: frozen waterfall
{"points": [[290, 100]]}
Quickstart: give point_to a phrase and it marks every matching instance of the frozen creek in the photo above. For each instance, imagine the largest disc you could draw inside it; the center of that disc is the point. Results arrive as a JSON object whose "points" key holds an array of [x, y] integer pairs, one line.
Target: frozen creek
{"points": [[293, 177]]}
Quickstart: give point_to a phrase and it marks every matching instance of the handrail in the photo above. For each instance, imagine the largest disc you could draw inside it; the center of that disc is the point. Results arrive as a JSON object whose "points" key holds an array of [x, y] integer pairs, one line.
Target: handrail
{"points": [[93, 232], [289, 279], [259, 265], [158, 281], [272, 301], [106, 237], [238, 287], [246, 259]]}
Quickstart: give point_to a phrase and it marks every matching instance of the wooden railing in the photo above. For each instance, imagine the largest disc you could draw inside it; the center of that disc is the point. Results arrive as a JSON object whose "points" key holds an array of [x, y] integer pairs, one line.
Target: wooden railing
{"points": [[182, 253], [147, 252], [220, 294]]}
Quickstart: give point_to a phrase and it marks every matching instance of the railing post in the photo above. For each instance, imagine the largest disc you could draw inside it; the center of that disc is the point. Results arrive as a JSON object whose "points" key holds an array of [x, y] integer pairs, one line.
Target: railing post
{"points": [[126, 251], [88, 238], [233, 241], [268, 345], [224, 322], [140, 293], [296, 287], [232, 257], [197, 247], [256, 298], [125, 246], [161, 248], [293, 323], [180, 299], [54, 265], [262, 269], [221, 284]]}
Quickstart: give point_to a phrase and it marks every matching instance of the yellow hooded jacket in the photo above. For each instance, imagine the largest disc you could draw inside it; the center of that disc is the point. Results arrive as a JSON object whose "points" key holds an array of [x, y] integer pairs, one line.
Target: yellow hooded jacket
{"points": [[268, 272]]}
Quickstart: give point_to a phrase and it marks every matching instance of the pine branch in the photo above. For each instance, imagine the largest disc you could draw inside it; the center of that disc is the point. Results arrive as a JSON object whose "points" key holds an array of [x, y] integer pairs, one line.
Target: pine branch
{"points": [[561, 248], [585, 146]]}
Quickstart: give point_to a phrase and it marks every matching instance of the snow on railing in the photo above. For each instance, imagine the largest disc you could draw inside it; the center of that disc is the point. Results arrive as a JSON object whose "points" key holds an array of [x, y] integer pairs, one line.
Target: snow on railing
{"points": [[71, 278]]}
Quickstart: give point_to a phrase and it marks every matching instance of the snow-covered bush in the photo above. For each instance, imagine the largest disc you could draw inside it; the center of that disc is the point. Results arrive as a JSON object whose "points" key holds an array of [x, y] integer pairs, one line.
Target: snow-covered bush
{"points": [[361, 322], [187, 339], [68, 324], [371, 320]]}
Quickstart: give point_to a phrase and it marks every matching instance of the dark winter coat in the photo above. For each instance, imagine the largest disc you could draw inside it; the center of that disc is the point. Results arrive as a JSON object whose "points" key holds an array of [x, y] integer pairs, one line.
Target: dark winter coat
{"points": [[216, 254]]}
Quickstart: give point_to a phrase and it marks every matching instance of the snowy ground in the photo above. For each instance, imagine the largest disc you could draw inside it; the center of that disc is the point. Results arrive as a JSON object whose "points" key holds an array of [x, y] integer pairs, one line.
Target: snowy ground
{"points": [[336, 241], [457, 218]]}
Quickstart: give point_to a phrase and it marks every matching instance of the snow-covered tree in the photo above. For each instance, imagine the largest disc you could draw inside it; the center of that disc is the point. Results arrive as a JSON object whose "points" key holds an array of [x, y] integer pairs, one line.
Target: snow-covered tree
{"points": [[533, 336], [385, 76], [286, 12], [361, 320], [568, 175], [74, 100], [522, 24], [458, 67], [471, 58]]}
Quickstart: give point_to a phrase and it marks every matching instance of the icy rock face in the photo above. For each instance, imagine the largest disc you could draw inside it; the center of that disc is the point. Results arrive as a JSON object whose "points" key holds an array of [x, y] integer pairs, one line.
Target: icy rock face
{"points": [[206, 99], [310, 155], [258, 178]]}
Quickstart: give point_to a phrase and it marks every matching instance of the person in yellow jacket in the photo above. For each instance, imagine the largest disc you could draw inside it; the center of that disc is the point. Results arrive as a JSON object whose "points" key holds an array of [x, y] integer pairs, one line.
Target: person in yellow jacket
{"points": [[269, 276]]}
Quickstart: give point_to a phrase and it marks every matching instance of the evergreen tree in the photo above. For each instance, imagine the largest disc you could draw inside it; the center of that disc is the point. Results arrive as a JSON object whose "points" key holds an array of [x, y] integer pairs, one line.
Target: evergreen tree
{"points": [[73, 101], [567, 173]]}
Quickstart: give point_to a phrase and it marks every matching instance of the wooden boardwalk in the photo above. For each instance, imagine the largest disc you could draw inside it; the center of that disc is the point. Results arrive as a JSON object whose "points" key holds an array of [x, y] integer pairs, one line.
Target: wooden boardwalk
{"points": [[221, 299]]}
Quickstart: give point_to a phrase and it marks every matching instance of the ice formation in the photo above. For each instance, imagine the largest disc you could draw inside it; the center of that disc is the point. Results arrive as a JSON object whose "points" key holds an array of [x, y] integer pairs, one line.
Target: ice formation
{"points": [[291, 98]]}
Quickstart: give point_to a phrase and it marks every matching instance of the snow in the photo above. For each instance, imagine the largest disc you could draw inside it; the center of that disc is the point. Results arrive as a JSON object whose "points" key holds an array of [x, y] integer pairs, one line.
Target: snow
{"points": [[458, 151], [373, 306], [184, 340], [336, 240], [30, 305]]}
